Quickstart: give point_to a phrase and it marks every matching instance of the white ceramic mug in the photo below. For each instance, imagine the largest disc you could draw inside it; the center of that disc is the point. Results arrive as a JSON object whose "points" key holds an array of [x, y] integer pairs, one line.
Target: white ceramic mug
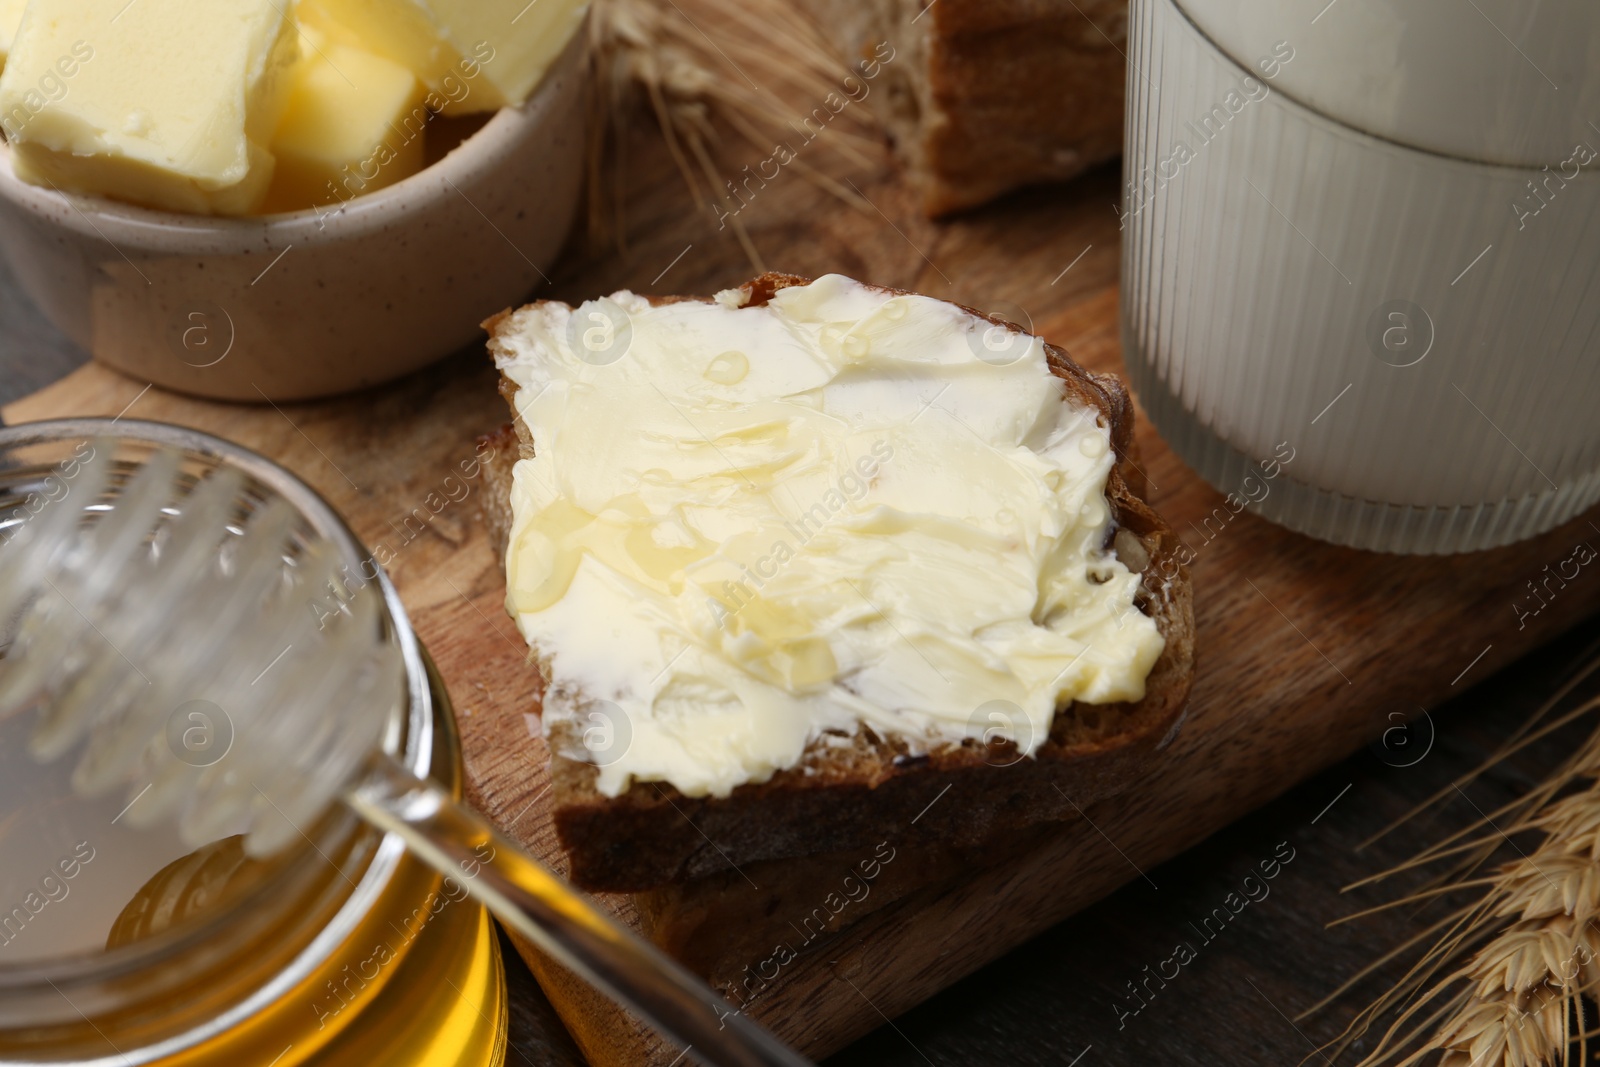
{"points": [[1366, 235]]}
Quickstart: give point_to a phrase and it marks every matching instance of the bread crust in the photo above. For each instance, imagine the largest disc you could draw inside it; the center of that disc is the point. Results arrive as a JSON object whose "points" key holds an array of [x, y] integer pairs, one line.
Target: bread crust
{"points": [[985, 96], [841, 798]]}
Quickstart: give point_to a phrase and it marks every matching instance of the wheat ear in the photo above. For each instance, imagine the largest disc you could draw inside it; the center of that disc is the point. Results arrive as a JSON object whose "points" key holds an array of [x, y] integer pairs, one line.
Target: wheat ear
{"points": [[1506, 977], [698, 75]]}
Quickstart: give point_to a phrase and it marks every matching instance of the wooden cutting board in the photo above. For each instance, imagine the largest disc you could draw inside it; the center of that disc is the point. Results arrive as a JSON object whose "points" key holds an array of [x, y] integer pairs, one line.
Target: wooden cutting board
{"points": [[1306, 651]]}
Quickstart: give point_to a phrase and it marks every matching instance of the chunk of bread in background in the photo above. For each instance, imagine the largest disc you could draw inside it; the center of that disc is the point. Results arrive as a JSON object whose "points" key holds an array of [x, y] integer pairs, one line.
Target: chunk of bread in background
{"points": [[985, 96]]}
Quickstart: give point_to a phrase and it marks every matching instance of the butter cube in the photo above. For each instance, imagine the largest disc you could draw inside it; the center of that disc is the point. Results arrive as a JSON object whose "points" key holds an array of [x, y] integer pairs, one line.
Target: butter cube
{"points": [[353, 123], [10, 19], [474, 55], [165, 103]]}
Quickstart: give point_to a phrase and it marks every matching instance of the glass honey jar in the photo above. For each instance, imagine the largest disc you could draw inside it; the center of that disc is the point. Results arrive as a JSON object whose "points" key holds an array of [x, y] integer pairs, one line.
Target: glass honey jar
{"points": [[125, 946]]}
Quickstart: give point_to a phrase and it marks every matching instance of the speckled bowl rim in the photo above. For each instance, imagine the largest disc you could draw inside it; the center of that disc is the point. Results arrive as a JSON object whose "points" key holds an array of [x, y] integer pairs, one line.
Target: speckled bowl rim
{"points": [[152, 230]]}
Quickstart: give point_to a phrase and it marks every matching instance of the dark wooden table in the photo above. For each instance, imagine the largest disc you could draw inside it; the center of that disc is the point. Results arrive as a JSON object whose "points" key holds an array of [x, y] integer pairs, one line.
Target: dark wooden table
{"points": [[1064, 999]]}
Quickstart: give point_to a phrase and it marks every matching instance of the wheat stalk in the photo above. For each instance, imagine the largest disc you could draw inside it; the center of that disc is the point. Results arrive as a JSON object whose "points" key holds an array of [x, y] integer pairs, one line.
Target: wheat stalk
{"points": [[1504, 979], [695, 72]]}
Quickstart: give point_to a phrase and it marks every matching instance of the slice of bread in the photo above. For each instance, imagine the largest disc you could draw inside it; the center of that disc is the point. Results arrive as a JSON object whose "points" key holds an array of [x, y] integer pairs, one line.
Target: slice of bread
{"points": [[984, 96], [848, 797]]}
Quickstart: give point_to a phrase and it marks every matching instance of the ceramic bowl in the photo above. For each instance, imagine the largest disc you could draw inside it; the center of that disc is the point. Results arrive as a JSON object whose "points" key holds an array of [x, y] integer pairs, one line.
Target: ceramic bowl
{"points": [[316, 302]]}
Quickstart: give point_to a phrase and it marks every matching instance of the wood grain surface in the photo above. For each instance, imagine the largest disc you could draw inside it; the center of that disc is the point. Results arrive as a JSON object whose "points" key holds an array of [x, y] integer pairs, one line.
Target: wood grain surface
{"points": [[1306, 650]]}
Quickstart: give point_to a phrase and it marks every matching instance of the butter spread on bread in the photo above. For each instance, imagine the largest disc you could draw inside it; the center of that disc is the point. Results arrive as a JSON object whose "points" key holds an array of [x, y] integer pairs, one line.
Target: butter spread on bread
{"points": [[749, 528]]}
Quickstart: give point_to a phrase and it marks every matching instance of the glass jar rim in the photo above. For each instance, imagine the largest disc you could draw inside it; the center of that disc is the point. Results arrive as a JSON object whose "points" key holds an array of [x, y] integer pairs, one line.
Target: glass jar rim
{"points": [[408, 736]]}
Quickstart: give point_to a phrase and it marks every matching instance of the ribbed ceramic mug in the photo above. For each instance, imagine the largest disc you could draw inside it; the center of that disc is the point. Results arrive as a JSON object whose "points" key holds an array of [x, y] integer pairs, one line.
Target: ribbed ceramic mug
{"points": [[1361, 243]]}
